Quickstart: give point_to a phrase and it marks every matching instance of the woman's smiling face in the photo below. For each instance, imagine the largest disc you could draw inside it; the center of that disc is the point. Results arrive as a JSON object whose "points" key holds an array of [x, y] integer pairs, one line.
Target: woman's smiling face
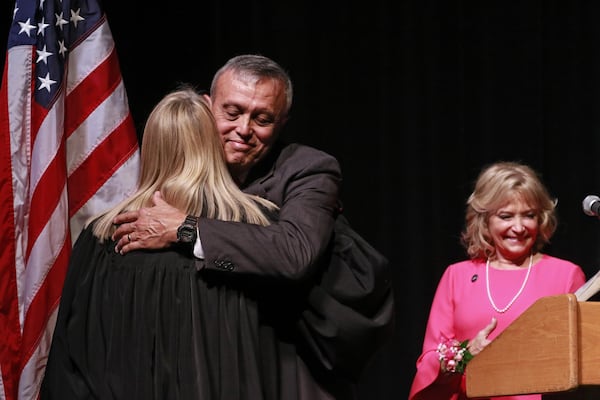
{"points": [[514, 229]]}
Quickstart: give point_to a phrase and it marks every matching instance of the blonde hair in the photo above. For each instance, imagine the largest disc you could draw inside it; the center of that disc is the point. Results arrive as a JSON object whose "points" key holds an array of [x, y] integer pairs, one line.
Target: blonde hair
{"points": [[497, 185], [183, 158]]}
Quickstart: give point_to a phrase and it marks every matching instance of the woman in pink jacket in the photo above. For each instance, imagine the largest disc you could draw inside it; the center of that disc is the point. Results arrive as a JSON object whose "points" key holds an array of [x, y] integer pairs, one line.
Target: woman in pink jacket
{"points": [[510, 217]]}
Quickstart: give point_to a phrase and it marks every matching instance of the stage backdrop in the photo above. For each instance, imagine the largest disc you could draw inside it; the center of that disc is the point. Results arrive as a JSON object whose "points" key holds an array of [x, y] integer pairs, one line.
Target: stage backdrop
{"points": [[413, 98]]}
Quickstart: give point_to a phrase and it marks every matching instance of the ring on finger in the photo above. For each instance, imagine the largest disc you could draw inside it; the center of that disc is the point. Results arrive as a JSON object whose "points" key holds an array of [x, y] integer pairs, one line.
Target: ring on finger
{"points": [[129, 237]]}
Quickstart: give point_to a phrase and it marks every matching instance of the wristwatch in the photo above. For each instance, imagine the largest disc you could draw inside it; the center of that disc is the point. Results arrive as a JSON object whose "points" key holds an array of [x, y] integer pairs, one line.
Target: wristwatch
{"points": [[188, 231]]}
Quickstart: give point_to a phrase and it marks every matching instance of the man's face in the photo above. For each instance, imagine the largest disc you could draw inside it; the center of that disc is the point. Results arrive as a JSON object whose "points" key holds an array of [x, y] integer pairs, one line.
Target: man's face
{"points": [[249, 116]]}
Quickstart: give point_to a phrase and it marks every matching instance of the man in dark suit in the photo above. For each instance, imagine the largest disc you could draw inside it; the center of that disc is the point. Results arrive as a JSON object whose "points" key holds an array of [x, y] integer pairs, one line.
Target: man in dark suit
{"points": [[251, 97]]}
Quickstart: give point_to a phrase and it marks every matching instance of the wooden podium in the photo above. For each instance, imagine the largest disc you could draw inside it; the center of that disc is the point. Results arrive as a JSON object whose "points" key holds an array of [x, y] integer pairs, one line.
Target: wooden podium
{"points": [[553, 347]]}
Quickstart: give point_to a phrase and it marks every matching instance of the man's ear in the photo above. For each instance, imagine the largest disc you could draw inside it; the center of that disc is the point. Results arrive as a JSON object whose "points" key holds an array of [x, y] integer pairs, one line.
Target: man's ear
{"points": [[207, 98]]}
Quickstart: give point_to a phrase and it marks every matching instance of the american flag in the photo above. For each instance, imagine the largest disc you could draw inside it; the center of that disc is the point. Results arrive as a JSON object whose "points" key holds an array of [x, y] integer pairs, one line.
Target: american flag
{"points": [[68, 150]]}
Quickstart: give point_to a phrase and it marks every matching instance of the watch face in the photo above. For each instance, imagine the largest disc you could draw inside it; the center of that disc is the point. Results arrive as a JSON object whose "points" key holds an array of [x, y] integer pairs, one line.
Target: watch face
{"points": [[186, 234]]}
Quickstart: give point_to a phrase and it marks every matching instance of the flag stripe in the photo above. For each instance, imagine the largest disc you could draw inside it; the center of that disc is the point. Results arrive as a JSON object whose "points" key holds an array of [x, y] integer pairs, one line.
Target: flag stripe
{"points": [[105, 119], [46, 297], [99, 84], [46, 195], [15, 101], [107, 195], [102, 163], [44, 253]]}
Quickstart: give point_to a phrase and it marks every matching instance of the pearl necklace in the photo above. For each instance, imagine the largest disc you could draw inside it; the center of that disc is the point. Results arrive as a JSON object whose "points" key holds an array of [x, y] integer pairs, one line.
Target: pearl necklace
{"points": [[487, 284]]}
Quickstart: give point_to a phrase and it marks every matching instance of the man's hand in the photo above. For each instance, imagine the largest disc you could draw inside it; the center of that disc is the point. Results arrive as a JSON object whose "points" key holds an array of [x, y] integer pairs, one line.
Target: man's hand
{"points": [[481, 340], [148, 228]]}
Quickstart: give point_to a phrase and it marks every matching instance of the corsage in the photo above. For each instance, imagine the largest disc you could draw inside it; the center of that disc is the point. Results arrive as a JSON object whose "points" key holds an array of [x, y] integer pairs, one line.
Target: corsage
{"points": [[453, 355]]}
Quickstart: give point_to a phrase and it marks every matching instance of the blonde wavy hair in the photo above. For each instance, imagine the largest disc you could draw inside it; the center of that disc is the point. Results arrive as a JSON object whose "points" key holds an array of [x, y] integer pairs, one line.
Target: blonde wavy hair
{"points": [[183, 158], [496, 185]]}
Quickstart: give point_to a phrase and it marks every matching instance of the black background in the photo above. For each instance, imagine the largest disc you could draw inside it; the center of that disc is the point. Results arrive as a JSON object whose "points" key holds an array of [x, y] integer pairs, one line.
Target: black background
{"points": [[413, 98]]}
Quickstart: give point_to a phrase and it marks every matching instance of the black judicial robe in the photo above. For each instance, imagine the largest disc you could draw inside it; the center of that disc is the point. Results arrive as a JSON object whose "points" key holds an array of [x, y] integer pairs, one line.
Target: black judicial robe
{"points": [[149, 325]]}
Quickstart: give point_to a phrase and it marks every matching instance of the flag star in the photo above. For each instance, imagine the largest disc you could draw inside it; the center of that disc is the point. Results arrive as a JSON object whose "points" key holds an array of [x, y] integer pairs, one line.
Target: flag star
{"points": [[43, 55], [60, 21], [42, 4], [26, 27], [46, 82], [61, 48], [42, 27], [15, 11], [75, 17]]}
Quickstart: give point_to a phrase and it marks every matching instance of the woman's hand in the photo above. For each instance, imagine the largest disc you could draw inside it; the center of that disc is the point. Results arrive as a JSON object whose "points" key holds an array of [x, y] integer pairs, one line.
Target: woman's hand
{"points": [[480, 341]]}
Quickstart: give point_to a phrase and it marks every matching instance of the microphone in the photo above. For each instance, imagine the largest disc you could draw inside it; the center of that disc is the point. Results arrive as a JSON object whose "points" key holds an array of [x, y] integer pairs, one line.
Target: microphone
{"points": [[591, 205]]}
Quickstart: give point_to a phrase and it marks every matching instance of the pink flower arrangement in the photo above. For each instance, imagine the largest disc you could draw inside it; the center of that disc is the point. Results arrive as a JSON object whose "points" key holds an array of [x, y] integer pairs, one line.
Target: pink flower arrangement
{"points": [[453, 355]]}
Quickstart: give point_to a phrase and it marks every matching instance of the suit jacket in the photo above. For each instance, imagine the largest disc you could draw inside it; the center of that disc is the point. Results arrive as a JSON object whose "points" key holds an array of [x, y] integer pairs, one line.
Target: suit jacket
{"points": [[323, 343], [305, 184]]}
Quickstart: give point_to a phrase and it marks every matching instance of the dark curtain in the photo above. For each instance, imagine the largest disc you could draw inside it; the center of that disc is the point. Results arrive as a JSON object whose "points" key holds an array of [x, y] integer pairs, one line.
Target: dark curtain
{"points": [[413, 98]]}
